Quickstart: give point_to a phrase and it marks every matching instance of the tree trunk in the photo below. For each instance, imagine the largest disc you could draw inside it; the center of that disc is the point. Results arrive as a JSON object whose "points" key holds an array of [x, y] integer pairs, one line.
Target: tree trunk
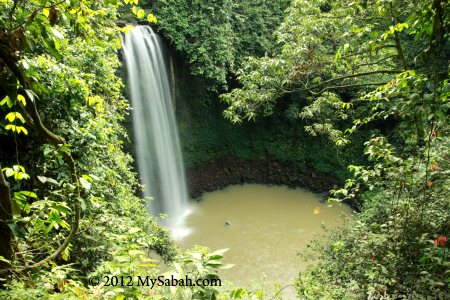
{"points": [[6, 216]]}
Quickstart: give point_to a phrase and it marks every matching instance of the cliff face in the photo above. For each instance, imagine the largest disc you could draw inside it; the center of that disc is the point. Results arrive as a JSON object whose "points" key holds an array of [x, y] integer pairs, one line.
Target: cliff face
{"points": [[273, 150], [218, 173]]}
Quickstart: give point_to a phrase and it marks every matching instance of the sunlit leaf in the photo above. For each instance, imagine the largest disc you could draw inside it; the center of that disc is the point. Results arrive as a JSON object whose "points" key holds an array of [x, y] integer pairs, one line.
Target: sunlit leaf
{"points": [[86, 184], [21, 99], [151, 18], [140, 13], [28, 194]]}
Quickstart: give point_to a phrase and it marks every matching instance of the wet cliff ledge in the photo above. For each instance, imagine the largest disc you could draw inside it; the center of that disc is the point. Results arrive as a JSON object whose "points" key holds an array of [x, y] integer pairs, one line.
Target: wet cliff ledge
{"points": [[218, 173]]}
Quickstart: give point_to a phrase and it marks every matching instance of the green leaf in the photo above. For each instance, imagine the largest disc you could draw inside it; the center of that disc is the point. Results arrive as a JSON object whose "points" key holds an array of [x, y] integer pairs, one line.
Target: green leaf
{"points": [[11, 127], [338, 54], [13, 116], [3, 259], [136, 252], [10, 117], [226, 266], [82, 203], [151, 18], [237, 294], [44, 179], [21, 175], [140, 13], [28, 194], [87, 177], [20, 129], [218, 252], [86, 184], [62, 209], [179, 268], [134, 229], [94, 177], [56, 33], [6, 101], [8, 172], [21, 99]]}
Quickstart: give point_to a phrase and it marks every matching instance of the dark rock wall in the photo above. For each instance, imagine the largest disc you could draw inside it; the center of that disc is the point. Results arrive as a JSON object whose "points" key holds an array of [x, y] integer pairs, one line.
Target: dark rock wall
{"points": [[218, 173], [272, 150]]}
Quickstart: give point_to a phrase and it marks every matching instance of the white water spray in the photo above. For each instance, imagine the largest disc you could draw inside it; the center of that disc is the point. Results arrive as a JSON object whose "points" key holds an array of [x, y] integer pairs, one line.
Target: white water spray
{"points": [[157, 144]]}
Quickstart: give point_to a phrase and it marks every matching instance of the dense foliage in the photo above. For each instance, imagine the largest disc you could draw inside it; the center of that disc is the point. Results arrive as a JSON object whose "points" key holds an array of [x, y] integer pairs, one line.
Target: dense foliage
{"points": [[347, 70], [215, 36], [205, 135], [379, 65], [69, 209]]}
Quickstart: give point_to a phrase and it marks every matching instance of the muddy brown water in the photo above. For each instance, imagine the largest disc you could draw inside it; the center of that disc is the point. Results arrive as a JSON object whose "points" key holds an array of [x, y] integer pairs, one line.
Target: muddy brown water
{"points": [[268, 227]]}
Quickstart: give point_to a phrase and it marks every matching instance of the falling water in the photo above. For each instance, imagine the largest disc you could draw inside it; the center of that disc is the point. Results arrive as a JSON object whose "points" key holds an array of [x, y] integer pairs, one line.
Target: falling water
{"points": [[158, 149]]}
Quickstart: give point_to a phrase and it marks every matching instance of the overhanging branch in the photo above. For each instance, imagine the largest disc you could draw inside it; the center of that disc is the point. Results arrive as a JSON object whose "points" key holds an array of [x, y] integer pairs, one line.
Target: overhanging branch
{"points": [[55, 140], [312, 88], [348, 86], [6, 236], [31, 105]]}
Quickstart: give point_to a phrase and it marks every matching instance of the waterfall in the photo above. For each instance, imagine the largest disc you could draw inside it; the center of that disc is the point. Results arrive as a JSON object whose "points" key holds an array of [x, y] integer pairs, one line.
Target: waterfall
{"points": [[157, 144]]}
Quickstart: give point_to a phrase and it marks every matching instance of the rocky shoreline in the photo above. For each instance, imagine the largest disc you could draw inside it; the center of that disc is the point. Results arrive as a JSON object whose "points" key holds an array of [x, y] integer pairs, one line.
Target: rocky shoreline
{"points": [[213, 175]]}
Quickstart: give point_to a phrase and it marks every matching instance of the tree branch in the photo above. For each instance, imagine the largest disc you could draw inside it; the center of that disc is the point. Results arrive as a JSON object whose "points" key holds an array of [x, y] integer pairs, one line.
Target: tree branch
{"points": [[5, 193], [347, 86], [31, 107], [398, 45], [347, 77], [55, 140], [373, 50], [376, 62], [31, 17], [11, 12], [73, 229], [6, 216]]}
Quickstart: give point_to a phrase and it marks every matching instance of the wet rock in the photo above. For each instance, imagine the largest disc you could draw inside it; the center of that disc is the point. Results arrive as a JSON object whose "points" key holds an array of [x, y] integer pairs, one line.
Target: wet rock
{"points": [[221, 172]]}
